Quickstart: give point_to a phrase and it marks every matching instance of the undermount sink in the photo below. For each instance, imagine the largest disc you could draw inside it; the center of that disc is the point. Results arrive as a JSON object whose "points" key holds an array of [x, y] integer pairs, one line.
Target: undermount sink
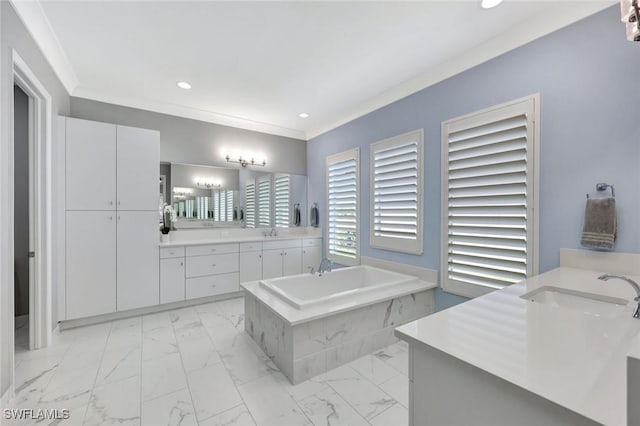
{"points": [[590, 303]]}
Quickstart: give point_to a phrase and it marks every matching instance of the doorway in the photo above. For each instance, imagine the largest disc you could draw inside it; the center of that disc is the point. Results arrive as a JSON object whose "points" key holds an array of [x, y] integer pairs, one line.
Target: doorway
{"points": [[22, 217]]}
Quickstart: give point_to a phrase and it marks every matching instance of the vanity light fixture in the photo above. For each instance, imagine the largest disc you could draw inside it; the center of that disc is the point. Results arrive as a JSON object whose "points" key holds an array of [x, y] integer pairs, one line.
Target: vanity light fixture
{"points": [[303, 115], [207, 184], [488, 4], [184, 85], [244, 162], [630, 15]]}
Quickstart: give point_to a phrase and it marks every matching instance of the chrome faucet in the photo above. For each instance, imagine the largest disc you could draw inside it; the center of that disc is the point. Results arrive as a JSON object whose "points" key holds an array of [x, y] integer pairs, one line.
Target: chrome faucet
{"points": [[273, 232], [325, 266], [311, 269], [632, 283]]}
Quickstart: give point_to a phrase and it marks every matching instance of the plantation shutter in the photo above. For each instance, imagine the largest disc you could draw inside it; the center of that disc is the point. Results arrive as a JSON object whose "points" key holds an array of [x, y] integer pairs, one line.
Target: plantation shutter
{"points": [[250, 201], [343, 184], [216, 206], [489, 198], [282, 201], [396, 187], [229, 206], [264, 202], [223, 206]]}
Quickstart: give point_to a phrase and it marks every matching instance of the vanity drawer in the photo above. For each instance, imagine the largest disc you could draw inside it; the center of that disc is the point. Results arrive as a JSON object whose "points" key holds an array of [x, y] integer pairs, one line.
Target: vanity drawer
{"points": [[281, 244], [254, 246], [212, 285], [311, 242], [171, 252], [210, 265], [212, 249]]}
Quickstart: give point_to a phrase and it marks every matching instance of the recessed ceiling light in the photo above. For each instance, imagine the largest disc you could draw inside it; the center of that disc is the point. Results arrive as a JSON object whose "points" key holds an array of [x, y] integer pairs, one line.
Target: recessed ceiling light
{"points": [[488, 4], [303, 115], [184, 85]]}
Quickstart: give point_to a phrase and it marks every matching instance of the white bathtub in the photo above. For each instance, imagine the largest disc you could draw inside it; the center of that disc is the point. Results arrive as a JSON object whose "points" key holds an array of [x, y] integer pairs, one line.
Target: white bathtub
{"points": [[307, 290]]}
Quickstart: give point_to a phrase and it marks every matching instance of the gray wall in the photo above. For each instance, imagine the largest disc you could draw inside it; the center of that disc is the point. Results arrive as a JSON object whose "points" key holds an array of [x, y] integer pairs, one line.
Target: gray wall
{"points": [[21, 201], [13, 35], [196, 142], [590, 133]]}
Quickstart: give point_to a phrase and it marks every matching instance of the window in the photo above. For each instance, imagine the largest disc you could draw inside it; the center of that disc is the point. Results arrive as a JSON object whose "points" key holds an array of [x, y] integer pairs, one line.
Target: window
{"points": [[489, 198], [264, 201], [343, 204], [282, 200], [396, 193], [250, 201]]}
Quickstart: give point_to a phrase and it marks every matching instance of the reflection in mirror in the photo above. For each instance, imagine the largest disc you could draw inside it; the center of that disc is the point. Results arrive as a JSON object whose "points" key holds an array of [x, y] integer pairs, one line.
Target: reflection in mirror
{"points": [[205, 196]]}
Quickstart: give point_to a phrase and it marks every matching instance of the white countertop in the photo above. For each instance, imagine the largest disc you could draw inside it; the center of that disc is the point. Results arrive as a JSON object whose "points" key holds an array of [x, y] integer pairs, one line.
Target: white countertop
{"points": [[235, 239], [296, 316], [574, 359]]}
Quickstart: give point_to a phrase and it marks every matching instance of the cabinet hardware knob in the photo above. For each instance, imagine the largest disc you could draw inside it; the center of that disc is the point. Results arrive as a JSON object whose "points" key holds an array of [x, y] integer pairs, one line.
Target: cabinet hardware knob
{"points": [[260, 257], [214, 265], [118, 202], [110, 203], [213, 249], [110, 217]]}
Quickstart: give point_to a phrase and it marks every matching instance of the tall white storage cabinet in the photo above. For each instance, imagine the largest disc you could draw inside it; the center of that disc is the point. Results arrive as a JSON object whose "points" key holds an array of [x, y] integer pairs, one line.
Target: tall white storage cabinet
{"points": [[91, 263], [112, 175]]}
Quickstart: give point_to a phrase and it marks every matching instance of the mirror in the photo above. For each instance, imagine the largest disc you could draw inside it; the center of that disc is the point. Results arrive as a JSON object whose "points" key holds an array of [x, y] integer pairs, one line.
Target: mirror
{"points": [[207, 196]]}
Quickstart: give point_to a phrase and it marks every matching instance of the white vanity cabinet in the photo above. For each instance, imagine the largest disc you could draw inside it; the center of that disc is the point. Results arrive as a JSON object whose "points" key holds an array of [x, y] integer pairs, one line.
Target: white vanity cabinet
{"points": [[281, 257], [250, 261], [172, 280], [111, 182], [212, 270], [311, 253]]}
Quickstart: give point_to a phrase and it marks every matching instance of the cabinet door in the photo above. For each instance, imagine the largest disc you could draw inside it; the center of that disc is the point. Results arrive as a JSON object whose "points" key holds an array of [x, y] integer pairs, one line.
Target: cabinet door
{"points": [[292, 261], [250, 266], [138, 260], [172, 280], [272, 263], [90, 165], [138, 169], [311, 257], [91, 263]]}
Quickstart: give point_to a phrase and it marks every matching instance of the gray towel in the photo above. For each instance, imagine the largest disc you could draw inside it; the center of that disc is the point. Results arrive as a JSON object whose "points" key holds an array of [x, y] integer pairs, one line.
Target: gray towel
{"points": [[600, 225]]}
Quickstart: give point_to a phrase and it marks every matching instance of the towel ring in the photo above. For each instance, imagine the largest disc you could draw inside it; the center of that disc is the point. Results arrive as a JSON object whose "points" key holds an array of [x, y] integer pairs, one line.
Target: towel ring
{"points": [[603, 187]]}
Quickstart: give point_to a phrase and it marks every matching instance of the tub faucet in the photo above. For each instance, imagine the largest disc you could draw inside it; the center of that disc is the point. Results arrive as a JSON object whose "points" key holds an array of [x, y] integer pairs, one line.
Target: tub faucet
{"points": [[325, 266], [632, 283], [273, 232]]}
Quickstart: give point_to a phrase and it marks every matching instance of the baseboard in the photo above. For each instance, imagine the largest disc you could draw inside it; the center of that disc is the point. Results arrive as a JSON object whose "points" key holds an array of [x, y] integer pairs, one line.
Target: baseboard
{"points": [[425, 274], [616, 263], [81, 322]]}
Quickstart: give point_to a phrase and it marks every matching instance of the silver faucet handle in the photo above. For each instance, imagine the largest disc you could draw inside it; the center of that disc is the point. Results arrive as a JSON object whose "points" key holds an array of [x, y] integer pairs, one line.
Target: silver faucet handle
{"points": [[311, 270]]}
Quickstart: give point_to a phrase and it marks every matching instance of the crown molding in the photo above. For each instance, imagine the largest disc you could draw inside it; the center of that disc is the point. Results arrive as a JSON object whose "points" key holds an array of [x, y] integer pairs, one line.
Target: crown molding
{"points": [[539, 26], [37, 24], [189, 112]]}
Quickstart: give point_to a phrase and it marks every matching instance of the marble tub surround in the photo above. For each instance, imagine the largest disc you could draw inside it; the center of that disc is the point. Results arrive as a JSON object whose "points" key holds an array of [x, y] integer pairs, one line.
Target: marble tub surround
{"points": [[187, 237], [295, 316], [306, 349], [574, 359], [196, 365]]}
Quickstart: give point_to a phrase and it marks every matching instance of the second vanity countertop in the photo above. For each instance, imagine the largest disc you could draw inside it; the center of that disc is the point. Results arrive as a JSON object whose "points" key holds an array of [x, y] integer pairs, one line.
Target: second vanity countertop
{"points": [[574, 359], [236, 239]]}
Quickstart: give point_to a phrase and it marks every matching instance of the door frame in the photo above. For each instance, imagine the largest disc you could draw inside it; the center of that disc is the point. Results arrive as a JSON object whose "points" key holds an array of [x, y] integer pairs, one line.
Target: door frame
{"points": [[40, 196]]}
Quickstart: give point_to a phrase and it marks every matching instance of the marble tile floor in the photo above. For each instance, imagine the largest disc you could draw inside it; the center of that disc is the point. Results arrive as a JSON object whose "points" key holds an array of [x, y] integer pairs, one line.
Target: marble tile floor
{"points": [[196, 366]]}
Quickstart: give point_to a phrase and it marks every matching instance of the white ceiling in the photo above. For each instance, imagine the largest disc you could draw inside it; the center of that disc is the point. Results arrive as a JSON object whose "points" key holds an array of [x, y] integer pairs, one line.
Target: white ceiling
{"points": [[257, 65]]}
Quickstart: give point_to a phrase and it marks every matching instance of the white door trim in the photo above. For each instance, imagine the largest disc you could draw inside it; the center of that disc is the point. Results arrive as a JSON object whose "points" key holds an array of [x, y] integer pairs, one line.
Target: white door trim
{"points": [[40, 288]]}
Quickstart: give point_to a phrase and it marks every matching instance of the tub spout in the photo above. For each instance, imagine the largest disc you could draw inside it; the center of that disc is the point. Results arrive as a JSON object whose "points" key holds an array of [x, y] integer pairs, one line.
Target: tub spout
{"points": [[325, 266]]}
